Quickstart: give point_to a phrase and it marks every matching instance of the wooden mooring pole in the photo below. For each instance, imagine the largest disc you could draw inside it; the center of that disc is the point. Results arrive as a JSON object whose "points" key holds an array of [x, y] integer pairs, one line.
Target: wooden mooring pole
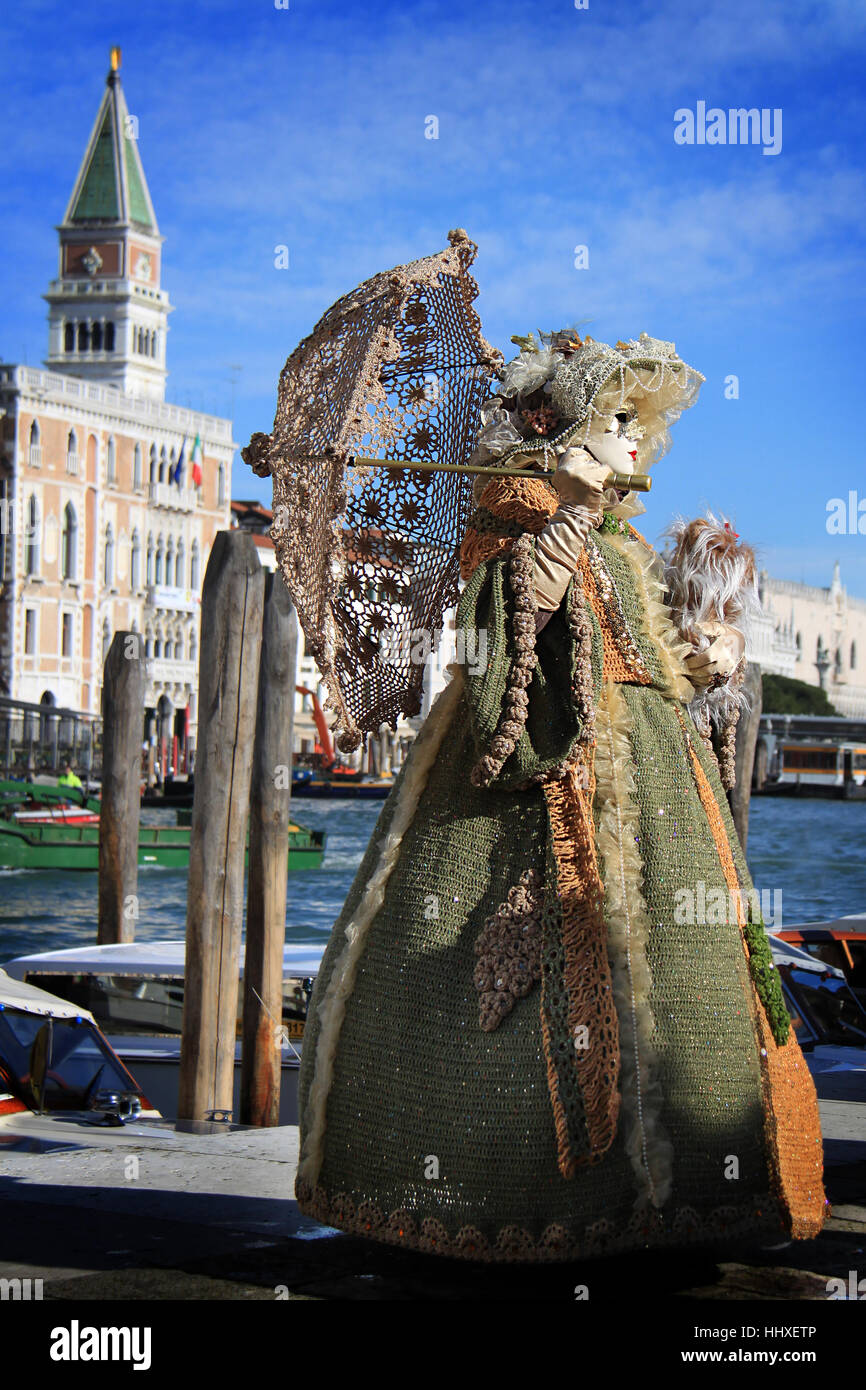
{"points": [[231, 635], [747, 738], [268, 873], [123, 682]]}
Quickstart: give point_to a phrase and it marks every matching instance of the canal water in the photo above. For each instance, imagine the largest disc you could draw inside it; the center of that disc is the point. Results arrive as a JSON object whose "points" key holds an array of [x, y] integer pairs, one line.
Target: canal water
{"points": [[807, 857]]}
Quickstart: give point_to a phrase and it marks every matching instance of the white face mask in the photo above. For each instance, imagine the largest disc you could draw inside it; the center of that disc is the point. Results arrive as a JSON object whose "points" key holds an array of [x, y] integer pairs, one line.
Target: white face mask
{"points": [[606, 444]]}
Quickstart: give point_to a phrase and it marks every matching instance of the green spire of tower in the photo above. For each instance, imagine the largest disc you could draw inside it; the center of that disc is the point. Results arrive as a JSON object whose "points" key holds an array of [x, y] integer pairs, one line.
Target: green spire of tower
{"points": [[111, 186]]}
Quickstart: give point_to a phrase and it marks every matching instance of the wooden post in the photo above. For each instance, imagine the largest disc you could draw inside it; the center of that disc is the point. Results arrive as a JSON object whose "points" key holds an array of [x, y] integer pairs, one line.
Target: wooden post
{"points": [[231, 635], [269, 824], [122, 712], [747, 738]]}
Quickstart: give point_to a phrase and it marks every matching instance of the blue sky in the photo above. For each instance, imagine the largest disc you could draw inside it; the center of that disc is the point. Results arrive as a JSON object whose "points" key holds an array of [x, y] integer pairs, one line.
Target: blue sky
{"points": [[306, 127]]}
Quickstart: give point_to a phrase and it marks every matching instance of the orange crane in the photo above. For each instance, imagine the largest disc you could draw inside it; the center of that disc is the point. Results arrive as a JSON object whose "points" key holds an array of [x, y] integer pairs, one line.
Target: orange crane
{"points": [[326, 743]]}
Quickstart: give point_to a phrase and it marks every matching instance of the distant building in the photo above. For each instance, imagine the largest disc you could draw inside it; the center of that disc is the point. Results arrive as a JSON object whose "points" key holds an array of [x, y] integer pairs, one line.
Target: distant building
{"points": [[111, 498], [257, 519], [815, 635]]}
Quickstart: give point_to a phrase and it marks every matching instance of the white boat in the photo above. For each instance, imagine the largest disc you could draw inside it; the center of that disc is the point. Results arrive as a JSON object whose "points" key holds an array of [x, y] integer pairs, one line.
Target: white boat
{"points": [[54, 1059], [135, 993]]}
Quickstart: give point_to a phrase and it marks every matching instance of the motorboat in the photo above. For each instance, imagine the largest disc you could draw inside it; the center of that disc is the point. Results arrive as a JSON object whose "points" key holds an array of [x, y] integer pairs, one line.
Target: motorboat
{"points": [[828, 1019], [840, 942], [134, 991], [54, 1058]]}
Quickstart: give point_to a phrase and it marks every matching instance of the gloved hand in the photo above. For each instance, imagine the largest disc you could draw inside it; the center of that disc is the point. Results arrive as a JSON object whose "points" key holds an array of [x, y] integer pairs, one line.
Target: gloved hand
{"points": [[720, 658], [579, 479]]}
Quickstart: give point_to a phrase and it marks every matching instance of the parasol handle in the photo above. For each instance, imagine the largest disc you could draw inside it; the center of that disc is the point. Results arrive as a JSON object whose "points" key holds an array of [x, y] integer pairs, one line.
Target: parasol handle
{"points": [[634, 482]]}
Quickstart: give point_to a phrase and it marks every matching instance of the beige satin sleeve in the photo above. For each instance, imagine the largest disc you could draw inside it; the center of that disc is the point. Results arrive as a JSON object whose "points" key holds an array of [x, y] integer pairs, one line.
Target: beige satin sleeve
{"points": [[557, 549]]}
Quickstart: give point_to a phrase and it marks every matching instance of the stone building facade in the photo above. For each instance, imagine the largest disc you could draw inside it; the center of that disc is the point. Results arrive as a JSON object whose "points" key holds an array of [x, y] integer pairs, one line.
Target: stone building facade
{"points": [[817, 635]]}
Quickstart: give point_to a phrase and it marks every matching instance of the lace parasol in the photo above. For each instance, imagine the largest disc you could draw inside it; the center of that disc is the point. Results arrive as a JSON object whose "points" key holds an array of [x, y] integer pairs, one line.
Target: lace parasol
{"points": [[397, 368]]}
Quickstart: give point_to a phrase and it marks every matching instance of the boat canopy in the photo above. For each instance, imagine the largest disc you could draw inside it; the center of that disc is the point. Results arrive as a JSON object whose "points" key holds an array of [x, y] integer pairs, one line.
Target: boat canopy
{"points": [[786, 953], [14, 994], [144, 959]]}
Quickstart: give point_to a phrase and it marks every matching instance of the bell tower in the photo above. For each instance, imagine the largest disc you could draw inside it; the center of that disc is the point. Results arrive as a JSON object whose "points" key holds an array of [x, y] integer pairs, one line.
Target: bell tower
{"points": [[108, 316]]}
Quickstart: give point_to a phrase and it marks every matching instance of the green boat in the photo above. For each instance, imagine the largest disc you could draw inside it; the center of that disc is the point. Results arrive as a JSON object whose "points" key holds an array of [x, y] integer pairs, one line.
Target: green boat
{"points": [[77, 846], [33, 797]]}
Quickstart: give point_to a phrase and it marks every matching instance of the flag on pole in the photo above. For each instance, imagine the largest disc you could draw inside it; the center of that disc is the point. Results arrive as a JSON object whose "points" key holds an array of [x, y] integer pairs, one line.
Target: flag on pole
{"points": [[177, 471], [196, 459]]}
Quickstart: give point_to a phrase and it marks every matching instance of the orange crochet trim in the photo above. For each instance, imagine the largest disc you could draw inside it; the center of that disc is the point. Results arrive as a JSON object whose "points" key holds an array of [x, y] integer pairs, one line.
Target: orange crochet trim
{"points": [[529, 502], [587, 974], [790, 1103], [478, 546], [616, 666], [564, 1158]]}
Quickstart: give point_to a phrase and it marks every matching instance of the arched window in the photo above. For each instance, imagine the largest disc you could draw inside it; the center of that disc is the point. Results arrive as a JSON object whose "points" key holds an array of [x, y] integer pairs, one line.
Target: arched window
{"points": [[169, 562], [135, 561], [148, 644], [68, 337], [108, 568], [193, 646], [179, 566], [109, 337], [72, 452], [96, 337], [35, 445], [106, 640], [83, 337], [111, 460], [159, 557], [149, 568], [162, 464], [837, 661], [853, 656], [31, 540], [69, 543], [799, 640], [194, 566], [221, 485], [157, 646], [153, 465], [153, 337], [136, 467]]}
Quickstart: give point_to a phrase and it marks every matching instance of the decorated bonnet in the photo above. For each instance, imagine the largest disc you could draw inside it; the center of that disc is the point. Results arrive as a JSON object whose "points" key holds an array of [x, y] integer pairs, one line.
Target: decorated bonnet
{"points": [[553, 392]]}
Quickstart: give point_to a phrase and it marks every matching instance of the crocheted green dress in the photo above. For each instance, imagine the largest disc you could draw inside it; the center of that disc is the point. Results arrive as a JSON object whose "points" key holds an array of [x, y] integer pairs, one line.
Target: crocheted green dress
{"points": [[526, 1042]]}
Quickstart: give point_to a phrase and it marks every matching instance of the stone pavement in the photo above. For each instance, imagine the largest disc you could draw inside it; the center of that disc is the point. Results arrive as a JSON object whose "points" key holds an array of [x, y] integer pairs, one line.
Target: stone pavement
{"points": [[149, 1212]]}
